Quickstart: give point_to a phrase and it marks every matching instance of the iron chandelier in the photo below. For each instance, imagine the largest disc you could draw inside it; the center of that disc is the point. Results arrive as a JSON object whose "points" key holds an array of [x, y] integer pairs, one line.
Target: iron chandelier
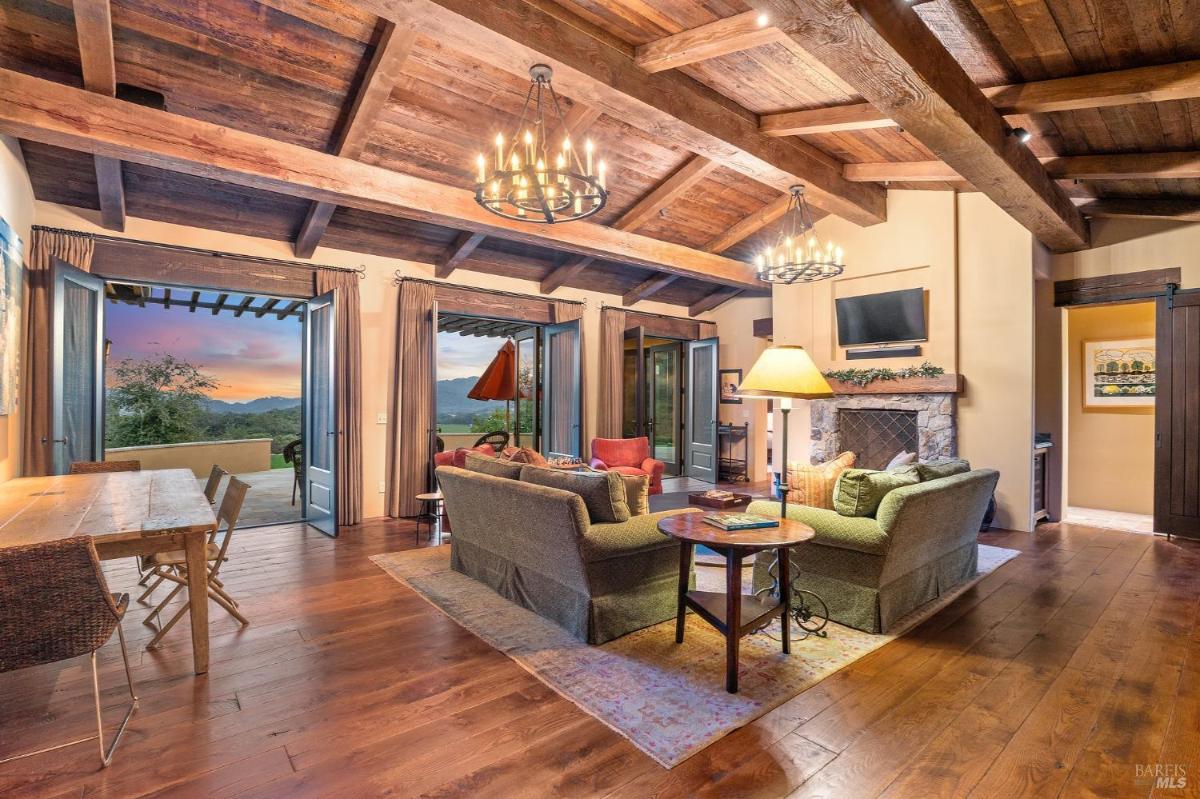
{"points": [[798, 256]]}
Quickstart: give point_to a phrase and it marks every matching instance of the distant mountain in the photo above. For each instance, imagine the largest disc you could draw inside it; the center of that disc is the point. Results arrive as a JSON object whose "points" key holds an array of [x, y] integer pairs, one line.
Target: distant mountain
{"points": [[452, 397], [260, 405]]}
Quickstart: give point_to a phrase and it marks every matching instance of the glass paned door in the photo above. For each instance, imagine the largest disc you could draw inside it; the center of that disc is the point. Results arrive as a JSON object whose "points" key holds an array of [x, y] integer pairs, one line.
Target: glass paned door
{"points": [[703, 393], [77, 429], [662, 403], [560, 404], [320, 416], [526, 427]]}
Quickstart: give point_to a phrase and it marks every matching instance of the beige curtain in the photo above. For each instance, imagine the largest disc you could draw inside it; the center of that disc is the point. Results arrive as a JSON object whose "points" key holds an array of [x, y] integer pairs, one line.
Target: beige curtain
{"points": [[412, 409], [45, 246], [610, 410], [706, 330], [569, 312], [348, 387]]}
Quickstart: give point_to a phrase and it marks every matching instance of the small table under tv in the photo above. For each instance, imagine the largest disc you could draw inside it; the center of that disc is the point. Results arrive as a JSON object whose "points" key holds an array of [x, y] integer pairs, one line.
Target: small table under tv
{"points": [[733, 614]]}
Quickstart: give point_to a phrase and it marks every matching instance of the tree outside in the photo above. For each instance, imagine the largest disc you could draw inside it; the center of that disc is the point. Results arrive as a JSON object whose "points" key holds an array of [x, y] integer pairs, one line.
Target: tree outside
{"points": [[489, 422], [156, 401]]}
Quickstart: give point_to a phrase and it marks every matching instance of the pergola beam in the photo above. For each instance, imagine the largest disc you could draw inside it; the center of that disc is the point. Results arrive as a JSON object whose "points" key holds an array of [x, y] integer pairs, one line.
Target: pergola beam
{"points": [[63, 116], [393, 50], [93, 27], [1153, 84], [263, 309], [593, 67], [884, 50]]}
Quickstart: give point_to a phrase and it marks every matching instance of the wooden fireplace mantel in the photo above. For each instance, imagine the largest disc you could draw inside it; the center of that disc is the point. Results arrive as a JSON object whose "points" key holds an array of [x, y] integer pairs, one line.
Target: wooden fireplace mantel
{"points": [[942, 384]]}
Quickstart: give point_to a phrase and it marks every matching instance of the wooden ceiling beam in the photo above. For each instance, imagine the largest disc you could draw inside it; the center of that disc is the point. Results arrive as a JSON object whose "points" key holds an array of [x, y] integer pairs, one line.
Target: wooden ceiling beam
{"points": [[93, 28], [457, 252], [725, 36], [750, 225], [63, 116], [647, 288], [712, 301], [883, 49], [1120, 166], [559, 275], [594, 67], [1176, 210], [387, 62], [1180, 81]]}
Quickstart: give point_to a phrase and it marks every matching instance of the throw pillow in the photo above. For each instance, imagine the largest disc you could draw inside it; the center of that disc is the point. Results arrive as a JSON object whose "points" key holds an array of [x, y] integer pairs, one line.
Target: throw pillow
{"points": [[901, 459], [603, 492], [813, 485], [859, 491], [947, 467], [497, 468], [523, 455], [637, 493]]}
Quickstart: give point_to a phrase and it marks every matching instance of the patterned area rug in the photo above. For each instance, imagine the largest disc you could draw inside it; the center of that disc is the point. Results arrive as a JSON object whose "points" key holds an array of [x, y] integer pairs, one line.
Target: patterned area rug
{"points": [[669, 700]]}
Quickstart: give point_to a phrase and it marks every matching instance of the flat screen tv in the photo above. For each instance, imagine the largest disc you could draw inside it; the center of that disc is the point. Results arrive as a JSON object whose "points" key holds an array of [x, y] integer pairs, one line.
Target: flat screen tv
{"points": [[886, 318]]}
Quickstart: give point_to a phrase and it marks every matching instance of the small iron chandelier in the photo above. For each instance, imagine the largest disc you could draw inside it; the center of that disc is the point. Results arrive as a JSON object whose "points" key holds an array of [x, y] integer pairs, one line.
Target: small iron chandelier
{"points": [[798, 255], [532, 181]]}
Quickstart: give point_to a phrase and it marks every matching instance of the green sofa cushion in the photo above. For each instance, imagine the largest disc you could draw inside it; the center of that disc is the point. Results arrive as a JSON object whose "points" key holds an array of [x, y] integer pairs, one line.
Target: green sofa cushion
{"points": [[943, 468], [603, 492], [860, 533], [859, 491], [496, 468]]}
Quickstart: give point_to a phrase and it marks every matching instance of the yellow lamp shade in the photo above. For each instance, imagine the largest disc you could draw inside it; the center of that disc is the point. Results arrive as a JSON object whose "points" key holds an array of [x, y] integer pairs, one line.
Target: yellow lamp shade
{"points": [[786, 372]]}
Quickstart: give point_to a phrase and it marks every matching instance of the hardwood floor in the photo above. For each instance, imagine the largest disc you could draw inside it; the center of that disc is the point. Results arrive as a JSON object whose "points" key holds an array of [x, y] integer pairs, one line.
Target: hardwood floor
{"points": [[1053, 676]]}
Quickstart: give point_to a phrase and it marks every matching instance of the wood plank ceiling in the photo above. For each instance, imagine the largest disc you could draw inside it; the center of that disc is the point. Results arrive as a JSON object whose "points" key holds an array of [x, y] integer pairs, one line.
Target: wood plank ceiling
{"points": [[331, 76]]}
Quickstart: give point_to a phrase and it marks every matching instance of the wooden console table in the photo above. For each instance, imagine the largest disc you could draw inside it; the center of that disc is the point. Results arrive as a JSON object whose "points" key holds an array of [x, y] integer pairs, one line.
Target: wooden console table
{"points": [[732, 613]]}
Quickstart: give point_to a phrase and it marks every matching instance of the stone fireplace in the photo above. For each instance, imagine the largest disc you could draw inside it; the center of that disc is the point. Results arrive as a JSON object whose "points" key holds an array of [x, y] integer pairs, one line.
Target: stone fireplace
{"points": [[877, 426]]}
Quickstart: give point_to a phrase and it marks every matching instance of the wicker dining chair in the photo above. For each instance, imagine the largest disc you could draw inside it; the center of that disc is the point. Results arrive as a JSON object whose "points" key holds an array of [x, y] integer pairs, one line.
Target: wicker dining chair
{"points": [[96, 467], [172, 566], [54, 605]]}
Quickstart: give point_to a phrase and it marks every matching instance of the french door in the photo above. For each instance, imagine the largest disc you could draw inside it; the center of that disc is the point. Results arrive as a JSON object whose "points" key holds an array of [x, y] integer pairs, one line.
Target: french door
{"points": [[1177, 415], [701, 449], [77, 403], [320, 416], [662, 404], [633, 373], [561, 392]]}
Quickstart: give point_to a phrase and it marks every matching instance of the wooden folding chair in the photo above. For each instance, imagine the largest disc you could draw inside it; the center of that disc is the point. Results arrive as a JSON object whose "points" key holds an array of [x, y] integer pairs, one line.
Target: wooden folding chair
{"points": [[172, 566]]}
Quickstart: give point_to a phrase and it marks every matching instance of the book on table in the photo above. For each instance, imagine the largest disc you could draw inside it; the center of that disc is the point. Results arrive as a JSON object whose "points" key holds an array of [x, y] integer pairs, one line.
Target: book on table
{"points": [[740, 521]]}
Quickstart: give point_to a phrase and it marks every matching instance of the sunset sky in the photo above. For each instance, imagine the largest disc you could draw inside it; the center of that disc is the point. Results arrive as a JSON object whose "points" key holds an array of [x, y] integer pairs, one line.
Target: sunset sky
{"points": [[250, 357], [465, 356]]}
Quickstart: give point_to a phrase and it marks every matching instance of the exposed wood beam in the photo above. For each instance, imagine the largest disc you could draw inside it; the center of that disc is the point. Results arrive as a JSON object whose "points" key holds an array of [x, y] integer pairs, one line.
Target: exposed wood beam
{"points": [[192, 303], [220, 303], [665, 193], [717, 298], [1155, 84], [93, 27], [241, 309], [261, 310], [750, 224], [730, 35], [560, 274], [647, 288], [1172, 209], [1125, 166], [458, 252], [167, 297], [63, 116], [384, 70], [594, 67], [883, 49], [580, 118], [292, 308]]}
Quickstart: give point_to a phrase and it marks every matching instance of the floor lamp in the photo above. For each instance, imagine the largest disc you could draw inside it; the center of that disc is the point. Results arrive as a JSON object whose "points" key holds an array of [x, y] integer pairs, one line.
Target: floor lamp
{"points": [[784, 372]]}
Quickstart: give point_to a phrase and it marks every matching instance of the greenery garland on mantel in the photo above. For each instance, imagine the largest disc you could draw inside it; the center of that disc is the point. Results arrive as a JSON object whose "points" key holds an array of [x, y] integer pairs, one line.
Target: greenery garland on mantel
{"points": [[864, 377]]}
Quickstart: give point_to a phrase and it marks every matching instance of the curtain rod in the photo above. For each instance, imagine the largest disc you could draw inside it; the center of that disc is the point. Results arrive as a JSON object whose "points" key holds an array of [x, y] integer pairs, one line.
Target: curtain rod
{"points": [[651, 313], [361, 271], [399, 277]]}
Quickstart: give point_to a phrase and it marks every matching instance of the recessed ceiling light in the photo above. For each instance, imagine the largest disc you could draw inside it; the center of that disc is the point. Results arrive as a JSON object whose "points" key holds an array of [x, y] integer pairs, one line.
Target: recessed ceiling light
{"points": [[1021, 135], [763, 20]]}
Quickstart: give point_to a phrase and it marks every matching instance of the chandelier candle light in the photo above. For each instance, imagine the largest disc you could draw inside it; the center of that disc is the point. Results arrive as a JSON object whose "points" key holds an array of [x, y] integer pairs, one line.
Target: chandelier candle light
{"points": [[532, 179], [798, 256]]}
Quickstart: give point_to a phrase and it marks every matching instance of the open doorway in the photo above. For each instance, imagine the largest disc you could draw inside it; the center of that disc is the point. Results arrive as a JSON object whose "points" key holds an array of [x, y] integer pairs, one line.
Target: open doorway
{"points": [[1109, 418]]}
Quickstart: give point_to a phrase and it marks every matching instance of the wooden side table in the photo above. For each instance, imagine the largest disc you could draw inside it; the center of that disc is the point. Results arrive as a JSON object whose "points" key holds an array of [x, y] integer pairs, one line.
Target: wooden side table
{"points": [[732, 613]]}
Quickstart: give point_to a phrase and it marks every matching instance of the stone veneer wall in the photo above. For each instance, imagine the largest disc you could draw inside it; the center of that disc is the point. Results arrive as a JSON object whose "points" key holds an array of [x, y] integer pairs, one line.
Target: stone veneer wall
{"points": [[936, 428]]}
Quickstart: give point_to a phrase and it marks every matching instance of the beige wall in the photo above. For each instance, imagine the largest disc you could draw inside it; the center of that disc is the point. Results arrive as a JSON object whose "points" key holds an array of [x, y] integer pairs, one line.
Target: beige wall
{"points": [[379, 296], [977, 267], [1133, 245], [1110, 456], [739, 350], [243, 456], [16, 207]]}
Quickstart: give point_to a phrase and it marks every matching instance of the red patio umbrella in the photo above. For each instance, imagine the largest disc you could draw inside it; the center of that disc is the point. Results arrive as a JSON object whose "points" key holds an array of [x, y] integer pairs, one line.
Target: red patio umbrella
{"points": [[499, 379]]}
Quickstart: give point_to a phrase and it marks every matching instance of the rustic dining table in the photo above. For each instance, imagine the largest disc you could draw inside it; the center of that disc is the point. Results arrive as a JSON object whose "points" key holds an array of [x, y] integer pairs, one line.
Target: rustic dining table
{"points": [[126, 514]]}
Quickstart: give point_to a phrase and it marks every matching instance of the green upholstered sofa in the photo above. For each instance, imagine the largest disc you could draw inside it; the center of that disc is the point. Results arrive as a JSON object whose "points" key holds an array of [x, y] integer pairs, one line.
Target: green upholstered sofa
{"points": [[870, 571], [535, 546]]}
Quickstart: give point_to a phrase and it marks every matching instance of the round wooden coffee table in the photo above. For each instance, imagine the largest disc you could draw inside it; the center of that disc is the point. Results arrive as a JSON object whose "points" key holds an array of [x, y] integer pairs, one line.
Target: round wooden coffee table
{"points": [[727, 611]]}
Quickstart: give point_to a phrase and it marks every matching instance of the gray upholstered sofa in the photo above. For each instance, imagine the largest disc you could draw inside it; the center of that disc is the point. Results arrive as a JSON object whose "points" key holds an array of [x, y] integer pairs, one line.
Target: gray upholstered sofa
{"points": [[870, 571], [535, 546]]}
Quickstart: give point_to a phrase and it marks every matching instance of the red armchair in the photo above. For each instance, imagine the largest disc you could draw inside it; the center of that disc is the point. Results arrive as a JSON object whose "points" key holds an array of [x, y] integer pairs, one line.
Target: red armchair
{"points": [[628, 456]]}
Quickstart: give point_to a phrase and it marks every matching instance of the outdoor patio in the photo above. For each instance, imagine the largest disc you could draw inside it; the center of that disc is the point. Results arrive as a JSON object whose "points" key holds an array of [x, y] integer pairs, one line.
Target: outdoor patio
{"points": [[269, 500]]}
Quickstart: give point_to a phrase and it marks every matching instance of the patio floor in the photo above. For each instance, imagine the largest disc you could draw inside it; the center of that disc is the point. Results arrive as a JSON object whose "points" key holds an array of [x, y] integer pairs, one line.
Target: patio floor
{"points": [[269, 500]]}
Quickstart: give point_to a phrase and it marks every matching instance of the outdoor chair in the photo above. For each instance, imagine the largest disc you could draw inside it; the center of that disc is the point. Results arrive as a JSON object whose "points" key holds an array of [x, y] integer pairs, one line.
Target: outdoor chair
{"points": [[497, 438], [172, 566], [98, 467], [55, 605], [293, 453], [214, 483]]}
